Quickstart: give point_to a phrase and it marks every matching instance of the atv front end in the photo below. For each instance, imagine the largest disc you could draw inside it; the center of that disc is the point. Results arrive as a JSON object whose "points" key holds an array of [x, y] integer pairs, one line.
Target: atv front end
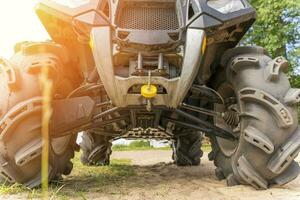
{"points": [[154, 70]]}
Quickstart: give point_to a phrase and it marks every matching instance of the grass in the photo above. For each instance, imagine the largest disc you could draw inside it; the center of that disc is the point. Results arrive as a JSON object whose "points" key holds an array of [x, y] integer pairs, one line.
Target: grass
{"points": [[120, 147], [83, 180], [138, 145], [206, 148], [141, 145], [12, 189], [87, 179]]}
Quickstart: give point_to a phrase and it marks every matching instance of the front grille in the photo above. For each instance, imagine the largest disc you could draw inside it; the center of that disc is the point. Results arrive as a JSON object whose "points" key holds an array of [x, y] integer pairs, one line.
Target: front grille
{"points": [[145, 17]]}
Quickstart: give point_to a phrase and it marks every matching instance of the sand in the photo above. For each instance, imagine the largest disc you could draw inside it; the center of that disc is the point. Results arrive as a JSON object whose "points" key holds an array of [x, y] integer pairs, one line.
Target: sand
{"points": [[161, 180], [156, 178]]}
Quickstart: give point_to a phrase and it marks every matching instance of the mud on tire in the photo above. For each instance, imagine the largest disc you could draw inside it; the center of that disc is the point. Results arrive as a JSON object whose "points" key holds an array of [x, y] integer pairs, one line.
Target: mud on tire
{"points": [[96, 149], [20, 115], [269, 136]]}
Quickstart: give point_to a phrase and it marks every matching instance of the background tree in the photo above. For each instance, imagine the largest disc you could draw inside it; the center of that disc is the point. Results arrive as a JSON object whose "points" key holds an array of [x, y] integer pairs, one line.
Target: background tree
{"points": [[277, 27], [278, 30]]}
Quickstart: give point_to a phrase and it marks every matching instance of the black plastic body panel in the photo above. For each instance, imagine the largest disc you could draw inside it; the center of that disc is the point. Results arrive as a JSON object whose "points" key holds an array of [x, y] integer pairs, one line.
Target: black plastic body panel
{"points": [[65, 23], [208, 17], [90, 15], [71, 27]]}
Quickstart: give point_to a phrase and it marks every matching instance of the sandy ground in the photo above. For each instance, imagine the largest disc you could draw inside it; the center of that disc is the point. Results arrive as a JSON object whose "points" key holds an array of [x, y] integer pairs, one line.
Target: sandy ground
{"points": [[157, 179], [161, 180]]}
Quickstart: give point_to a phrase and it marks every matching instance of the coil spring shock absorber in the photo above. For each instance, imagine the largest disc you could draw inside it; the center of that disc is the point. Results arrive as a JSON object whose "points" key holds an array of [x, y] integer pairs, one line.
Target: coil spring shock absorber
{"points": [[230, 117]]}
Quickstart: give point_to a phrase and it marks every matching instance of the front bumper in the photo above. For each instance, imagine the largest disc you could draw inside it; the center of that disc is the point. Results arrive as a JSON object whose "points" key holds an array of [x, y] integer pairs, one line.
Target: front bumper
{"points": [[117, 87]]}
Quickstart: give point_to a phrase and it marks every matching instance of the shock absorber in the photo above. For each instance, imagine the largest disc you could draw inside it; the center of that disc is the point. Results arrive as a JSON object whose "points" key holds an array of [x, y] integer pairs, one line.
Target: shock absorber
{"points": [[230, 117]]}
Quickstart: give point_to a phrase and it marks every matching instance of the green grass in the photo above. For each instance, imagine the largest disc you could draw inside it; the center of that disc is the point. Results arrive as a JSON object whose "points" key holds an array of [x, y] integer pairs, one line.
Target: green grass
{"points": [[87, 179], [141, 145], [206, 148], [129, 148], [138, 145], [83, 180], [13, 189]]}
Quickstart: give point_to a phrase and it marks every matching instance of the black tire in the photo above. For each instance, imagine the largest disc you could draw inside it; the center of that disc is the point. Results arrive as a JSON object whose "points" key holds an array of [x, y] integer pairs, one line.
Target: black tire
{"points": [[96, 149], [269, 137], [20, 116], [187, 149]]}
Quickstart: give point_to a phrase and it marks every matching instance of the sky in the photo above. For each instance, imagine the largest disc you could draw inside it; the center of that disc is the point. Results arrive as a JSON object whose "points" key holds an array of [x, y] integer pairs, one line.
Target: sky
{"points": [[18, 22]]}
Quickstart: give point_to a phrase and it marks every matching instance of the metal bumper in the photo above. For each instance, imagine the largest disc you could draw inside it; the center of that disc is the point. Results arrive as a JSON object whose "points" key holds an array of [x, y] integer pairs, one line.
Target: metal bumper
{"points": [[117, 87]]}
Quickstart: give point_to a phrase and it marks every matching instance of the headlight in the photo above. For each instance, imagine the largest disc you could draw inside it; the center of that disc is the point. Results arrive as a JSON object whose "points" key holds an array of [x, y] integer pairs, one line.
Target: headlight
{"points": [[226, 6], [72, 3]]}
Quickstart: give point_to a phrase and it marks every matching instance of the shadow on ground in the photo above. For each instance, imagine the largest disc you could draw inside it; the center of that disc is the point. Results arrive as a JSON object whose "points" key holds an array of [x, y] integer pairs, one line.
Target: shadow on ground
{"points": [[130, 178], [120, 178]]}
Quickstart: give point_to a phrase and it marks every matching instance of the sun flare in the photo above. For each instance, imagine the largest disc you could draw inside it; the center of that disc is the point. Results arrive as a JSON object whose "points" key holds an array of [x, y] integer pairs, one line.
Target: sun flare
{"points": [[18, 23]]}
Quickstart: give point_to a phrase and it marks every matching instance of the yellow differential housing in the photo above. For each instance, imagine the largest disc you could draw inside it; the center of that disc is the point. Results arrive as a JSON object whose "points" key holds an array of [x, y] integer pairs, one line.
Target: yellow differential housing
{"points": [[149, 91]]}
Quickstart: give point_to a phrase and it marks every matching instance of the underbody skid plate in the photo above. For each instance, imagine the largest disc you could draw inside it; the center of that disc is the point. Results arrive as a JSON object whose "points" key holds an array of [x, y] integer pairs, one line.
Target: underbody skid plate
{"points": [[149, 133]]}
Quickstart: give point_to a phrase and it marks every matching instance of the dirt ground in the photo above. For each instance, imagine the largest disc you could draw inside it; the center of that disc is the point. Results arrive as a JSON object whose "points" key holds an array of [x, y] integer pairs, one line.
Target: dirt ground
{"points": [[165, 181], [151, 176]]}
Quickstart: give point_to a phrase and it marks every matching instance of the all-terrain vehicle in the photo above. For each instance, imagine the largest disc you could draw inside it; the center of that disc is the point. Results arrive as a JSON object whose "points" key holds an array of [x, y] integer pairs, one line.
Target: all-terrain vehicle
{"points": [[167, 69]]}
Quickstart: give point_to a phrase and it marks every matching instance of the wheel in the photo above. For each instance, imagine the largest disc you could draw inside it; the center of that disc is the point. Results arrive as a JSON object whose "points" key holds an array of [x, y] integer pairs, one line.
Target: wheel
{"points": [[20, 115], [257, 88], [96, 149], [187, 149]]}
